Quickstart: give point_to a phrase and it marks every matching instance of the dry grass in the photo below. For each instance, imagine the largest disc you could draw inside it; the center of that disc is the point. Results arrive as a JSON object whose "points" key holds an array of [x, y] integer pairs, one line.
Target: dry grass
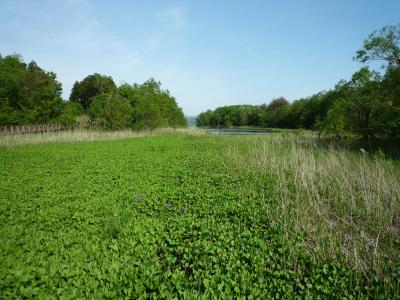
{"points": [[336, 203], [9, 140]]}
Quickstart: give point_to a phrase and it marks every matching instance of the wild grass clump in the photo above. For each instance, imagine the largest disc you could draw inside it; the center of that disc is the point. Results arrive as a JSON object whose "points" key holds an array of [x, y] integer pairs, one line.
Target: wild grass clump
{"points": [[84, 135], [336, 203]]}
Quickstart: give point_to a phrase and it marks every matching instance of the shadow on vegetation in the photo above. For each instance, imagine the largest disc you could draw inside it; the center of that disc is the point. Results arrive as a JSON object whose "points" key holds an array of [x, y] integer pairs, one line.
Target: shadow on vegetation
{"points": [[381, 147]]}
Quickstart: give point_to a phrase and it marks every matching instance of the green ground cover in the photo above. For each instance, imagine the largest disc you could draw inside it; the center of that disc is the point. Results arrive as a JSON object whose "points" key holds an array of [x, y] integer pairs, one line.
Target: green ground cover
{"points": [[161, 216]]}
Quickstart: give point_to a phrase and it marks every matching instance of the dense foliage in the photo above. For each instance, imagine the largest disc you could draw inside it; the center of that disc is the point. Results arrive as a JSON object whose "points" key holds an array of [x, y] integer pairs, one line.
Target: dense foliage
{"points": [[71, 112], [138, 106], [159, 217], [227, 116], [152, 106], [111, 111], [368, 105], [91, 86], [28, 94], [31, 95]]}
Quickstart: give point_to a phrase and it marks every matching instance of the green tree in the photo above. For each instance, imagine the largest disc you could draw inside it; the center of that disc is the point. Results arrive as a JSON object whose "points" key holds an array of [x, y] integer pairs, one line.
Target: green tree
{"points": [[152, 106], [91, 86], [362, 106], [296, 113], [277, 113], [204, 119], [335, 121], [28, 94], [277, 103], [43, 93], [111, 111], [391, 96], [383, 44], [70, 112], [232, 116]]}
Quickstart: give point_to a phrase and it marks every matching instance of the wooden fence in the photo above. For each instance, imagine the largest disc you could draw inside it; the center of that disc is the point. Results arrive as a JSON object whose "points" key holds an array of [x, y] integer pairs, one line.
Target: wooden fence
{"points": [[20, 129]]}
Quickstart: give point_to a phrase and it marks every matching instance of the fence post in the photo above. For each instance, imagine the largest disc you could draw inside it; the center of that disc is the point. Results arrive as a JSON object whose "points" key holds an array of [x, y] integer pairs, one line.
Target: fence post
{"points": [[41, 128]]}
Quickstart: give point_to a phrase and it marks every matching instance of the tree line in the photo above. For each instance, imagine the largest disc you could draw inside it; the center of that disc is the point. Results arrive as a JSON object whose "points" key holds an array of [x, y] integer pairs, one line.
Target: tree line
{"points": [[31, 95], [367, 105]]}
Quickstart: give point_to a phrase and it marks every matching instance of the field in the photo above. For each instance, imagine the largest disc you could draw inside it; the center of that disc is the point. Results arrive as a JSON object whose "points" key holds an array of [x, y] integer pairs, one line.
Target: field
{"points": [[190, 215]]}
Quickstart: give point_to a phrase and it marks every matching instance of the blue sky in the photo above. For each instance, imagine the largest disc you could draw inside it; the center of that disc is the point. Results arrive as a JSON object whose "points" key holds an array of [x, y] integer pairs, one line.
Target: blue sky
{"points": [[207, 53]]}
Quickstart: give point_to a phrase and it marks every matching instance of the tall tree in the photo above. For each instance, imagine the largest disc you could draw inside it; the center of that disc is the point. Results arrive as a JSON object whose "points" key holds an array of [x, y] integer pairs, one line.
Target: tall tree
{"points": [[277, 103], [152, 106], [362, 106], [111, 111], [91, 86], [28, 94], [383, 44], [391, 94]]}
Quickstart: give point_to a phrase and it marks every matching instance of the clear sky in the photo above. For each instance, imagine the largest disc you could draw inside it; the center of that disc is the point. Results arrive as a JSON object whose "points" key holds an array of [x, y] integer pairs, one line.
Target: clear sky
{"points": [[207, 53]]}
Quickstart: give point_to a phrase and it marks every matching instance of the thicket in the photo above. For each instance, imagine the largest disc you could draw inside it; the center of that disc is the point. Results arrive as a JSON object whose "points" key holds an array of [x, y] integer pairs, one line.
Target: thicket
{"points": [[367, 105], [30, 95]]}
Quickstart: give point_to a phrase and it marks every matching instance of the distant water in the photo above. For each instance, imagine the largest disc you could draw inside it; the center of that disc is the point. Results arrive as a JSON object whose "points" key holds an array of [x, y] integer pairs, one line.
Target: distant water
{"points": [[235, 131], [191, 121]]}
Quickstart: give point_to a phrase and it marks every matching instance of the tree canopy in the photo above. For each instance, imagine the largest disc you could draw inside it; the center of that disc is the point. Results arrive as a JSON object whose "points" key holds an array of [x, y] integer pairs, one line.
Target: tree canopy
{"points": [[152, 106], [91, 86], [367, 106], [28, 94], [111, 111], [138, 106], [383, 44]]}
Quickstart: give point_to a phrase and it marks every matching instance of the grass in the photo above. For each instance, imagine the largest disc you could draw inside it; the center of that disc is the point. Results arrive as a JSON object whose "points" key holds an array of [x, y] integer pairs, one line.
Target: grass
{"points": [[341, 204], [83, 135], [189, 215]]}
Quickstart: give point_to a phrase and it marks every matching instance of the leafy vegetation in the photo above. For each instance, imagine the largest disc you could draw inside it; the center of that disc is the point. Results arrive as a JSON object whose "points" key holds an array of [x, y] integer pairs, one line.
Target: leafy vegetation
{"points": [[91, 86], [367, 106], [111, 111], [28, 94], [173, 213], [190, 216], [152, 106], [31, 95]]}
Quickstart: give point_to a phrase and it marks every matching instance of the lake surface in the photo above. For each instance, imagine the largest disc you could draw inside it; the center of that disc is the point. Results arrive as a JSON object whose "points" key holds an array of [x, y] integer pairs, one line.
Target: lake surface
{"points": [[235, 131], [191, 120]]}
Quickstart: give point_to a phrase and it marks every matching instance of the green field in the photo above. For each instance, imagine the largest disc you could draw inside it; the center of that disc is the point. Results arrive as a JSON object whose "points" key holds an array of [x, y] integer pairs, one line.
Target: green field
{"points": [[191, 215]]}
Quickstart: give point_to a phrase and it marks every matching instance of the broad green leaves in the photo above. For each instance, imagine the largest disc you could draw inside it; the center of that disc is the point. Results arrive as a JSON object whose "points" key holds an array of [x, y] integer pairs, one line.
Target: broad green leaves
{"points": [[161, 217]]}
